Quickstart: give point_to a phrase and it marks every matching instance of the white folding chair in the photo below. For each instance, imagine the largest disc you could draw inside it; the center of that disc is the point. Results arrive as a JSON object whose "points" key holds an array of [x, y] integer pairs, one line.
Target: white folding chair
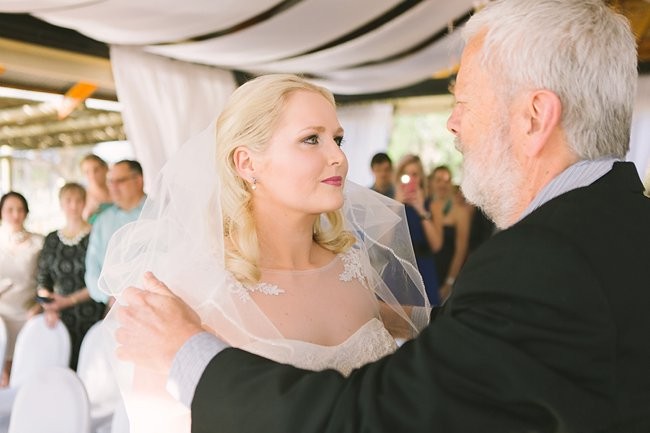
{"points": [[94, 370], [37, 347], [52, 401], [120, 419], [3, 344]]}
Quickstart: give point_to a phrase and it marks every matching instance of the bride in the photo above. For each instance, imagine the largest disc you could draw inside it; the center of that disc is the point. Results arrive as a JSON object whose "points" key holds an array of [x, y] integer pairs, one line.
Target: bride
{"points": [[255, 227]]}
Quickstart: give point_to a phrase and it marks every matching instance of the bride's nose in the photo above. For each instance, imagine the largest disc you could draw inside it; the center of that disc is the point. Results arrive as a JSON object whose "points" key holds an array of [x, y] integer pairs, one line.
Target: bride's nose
{"points": [[335, 154]]}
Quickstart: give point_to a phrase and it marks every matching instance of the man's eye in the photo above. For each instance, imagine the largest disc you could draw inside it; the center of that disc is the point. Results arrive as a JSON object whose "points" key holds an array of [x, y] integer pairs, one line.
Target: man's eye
{"points": [[312, 139], [339, 141]]}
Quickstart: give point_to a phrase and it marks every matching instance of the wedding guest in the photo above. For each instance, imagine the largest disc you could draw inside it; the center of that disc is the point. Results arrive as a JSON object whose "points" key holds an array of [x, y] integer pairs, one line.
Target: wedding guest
{"points": [[19, 251], [126, 187], [455, 228], [424, 221], [61, 266], [546, 328], [98, 198], [382, 170]]}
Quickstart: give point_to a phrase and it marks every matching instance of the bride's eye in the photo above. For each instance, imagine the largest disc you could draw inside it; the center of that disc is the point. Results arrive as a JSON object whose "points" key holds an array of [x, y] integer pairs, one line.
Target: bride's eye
{"points": [[312, 139], [339, 140]]}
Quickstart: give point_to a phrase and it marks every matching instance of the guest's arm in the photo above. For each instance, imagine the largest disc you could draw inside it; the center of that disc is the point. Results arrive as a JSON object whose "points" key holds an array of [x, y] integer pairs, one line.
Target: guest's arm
{"points": [[94, 261]]}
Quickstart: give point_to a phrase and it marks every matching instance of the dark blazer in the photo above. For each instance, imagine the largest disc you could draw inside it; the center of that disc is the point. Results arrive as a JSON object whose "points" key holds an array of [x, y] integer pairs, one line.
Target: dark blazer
{"points": [[548, 330]]}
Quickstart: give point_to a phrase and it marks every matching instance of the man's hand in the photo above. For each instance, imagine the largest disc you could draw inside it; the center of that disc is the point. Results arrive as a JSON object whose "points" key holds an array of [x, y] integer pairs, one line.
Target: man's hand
{"points": [[154, 325]]}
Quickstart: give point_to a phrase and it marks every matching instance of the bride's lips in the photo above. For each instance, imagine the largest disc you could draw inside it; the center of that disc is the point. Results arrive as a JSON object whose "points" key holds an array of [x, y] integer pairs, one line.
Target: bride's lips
{"points": [[334, 181]]}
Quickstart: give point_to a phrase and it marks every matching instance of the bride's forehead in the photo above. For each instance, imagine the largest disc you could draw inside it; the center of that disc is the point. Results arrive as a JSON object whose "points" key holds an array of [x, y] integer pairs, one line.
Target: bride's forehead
{"points": [[308, 108]]}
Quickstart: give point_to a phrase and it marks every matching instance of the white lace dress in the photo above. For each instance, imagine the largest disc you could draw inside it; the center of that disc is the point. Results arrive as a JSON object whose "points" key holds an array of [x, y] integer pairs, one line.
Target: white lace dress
{"points": [[342, 291], [18, 260], [344, 313]]}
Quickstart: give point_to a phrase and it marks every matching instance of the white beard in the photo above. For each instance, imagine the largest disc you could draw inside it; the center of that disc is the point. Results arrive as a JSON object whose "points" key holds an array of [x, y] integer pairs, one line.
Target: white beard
{"points": [[492, 178]]}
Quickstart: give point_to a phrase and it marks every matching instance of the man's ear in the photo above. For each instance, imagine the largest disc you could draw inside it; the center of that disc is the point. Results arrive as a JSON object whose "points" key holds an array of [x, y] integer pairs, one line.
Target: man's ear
{"points": [[544, 113], [243, 160]]}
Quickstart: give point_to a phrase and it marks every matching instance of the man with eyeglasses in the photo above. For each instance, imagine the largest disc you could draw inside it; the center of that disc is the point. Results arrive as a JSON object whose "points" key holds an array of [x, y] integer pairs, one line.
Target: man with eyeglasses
{"points": [[126, 188]]}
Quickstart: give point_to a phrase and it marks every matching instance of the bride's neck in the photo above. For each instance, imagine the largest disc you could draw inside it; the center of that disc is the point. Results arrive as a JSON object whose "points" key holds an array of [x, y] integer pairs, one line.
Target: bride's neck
{"points": [[287, 243]]}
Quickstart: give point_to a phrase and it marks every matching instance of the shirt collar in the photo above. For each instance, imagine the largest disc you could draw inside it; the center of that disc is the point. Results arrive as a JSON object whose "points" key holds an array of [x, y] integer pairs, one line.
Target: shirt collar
{"points": [[578, 175]]}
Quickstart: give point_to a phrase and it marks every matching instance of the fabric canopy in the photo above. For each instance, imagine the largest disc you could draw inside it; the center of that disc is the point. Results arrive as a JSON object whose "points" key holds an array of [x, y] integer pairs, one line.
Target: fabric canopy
{"points": [[351, 47]]}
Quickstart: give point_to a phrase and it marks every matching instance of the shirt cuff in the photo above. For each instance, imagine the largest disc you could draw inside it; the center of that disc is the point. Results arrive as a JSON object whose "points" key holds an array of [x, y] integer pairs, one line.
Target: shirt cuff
{"points": [[420, 316], [189, 364]]}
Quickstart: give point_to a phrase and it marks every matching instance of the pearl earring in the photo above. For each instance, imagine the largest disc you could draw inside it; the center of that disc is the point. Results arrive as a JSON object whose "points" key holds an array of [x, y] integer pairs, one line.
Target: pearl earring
{"points": [[254, 184]]}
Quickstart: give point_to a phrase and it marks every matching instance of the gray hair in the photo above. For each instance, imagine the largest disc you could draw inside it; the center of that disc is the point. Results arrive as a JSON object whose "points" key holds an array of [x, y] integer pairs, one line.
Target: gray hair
{"points": [[581, 50]]}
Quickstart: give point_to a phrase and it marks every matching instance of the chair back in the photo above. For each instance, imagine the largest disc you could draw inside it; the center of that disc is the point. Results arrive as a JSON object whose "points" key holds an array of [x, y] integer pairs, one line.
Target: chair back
{"points": [[94, 370], [3, 343], [37, 347], [120, 419], [54, 401]]}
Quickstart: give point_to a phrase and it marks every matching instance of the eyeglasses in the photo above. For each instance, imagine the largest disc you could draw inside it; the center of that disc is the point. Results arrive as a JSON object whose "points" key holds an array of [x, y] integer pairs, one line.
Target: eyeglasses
{"points": [[119, 180]]}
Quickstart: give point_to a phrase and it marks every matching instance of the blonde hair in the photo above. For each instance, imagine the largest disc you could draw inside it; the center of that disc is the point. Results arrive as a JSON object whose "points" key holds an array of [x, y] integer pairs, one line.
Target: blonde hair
{"points": [[249, 119], [73, 187], [409, 159]]}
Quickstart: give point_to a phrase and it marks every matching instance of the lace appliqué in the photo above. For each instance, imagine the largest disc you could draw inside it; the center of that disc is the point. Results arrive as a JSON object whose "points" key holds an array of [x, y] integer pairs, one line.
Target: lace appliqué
{"points": [[243, 291], [265, 288], [352, 264], [369, 343], [351, 269]]}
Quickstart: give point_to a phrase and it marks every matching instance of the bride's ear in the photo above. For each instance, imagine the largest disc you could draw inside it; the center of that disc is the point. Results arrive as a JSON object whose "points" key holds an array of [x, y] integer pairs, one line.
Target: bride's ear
{"points": [[243, 160]]}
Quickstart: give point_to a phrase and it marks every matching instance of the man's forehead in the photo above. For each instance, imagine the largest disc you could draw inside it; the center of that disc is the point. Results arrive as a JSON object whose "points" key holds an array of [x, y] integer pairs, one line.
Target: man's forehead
{"points": [[468, 60], [119, 169]]}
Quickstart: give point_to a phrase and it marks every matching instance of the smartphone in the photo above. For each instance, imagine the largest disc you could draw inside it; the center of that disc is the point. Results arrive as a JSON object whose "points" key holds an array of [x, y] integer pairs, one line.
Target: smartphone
{"points": [[408, 183], [44, 299]]}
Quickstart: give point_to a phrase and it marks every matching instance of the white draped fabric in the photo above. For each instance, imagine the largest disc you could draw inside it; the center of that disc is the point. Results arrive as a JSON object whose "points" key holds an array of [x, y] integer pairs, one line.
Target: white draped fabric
{"points": [[145, 22], [305, 26], [351, 47], [165, 102], [402, 72], [407, 30], [640, 139], [367, 131]]}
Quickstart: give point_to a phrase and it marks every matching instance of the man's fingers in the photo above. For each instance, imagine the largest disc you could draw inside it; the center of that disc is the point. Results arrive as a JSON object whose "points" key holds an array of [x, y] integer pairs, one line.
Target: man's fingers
{"points": [[133, 296], [153, 284]]}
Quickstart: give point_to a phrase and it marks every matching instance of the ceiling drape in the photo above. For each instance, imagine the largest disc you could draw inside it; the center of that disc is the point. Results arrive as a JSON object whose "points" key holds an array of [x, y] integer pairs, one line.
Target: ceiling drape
{"points": [[165, 102]]}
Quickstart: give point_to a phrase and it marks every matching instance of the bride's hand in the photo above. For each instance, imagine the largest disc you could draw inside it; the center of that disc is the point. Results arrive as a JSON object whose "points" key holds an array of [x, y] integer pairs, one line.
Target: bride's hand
{"points": [[154, 325]]}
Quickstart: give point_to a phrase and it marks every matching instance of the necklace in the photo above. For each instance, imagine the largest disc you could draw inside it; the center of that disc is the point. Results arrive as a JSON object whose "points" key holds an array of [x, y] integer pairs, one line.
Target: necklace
{"points": [[72, 240], [18, 237]]}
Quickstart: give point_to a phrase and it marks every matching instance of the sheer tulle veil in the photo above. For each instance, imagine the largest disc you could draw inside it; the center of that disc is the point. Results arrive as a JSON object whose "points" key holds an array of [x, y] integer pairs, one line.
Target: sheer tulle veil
{"points": [[179, 237]]}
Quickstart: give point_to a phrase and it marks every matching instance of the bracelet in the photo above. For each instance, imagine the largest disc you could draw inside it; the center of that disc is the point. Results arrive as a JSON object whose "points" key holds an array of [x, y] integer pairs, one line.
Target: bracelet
{"points": [[450, 280], [426, 216]]}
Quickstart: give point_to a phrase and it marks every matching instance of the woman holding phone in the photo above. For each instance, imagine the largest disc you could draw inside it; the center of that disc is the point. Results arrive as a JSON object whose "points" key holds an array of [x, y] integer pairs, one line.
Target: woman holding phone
{"points": [[424, 220]]}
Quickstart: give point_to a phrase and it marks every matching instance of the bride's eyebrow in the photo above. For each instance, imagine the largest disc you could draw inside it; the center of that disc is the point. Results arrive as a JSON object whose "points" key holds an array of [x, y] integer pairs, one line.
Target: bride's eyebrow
{"points": [[321, 129]]}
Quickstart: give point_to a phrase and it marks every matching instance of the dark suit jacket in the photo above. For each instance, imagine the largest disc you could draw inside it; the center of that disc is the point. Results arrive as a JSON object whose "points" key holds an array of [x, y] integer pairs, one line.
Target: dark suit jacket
{"points": [[548, 330]]}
